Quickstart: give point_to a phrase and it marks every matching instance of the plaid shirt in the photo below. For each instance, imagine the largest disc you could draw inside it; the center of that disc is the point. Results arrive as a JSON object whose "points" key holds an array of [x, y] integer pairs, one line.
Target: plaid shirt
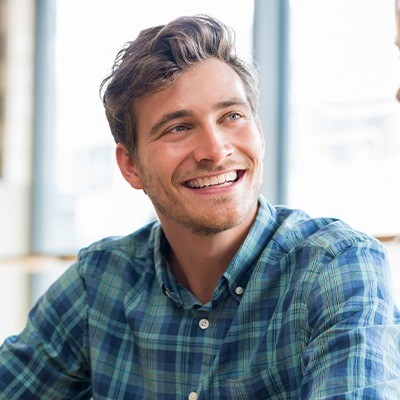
{"points": [[304, 311]]}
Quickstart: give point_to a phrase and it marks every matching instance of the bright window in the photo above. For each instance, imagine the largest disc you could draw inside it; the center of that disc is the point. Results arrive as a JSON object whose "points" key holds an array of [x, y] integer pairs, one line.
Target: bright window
{"points": [[344, 139]]}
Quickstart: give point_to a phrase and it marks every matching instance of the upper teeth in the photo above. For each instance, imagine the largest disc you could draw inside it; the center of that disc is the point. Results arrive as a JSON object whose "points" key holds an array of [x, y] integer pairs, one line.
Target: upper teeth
{"points": [[213, 180]]}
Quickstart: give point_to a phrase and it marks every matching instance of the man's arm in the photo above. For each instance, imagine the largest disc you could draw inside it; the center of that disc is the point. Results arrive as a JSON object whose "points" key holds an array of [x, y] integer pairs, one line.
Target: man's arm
{"points": [[354, 331], [47, 360]]}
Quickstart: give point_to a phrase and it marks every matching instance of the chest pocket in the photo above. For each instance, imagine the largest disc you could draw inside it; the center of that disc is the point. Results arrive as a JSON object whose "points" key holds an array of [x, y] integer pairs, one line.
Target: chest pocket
{"points": [[271, 384]]}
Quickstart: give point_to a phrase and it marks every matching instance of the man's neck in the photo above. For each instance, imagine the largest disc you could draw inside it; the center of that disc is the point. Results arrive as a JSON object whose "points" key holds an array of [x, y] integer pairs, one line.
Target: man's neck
{"points": [[198, 261]]}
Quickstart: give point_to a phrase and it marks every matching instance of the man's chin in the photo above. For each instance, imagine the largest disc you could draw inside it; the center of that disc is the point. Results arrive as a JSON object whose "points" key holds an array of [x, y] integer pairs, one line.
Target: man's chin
{"points": [[219, 215], [215, 223], [211, 229]]}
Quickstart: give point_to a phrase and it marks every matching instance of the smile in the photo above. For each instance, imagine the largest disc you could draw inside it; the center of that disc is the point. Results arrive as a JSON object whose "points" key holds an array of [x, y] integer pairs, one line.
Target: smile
{"points": [[216, 180]]}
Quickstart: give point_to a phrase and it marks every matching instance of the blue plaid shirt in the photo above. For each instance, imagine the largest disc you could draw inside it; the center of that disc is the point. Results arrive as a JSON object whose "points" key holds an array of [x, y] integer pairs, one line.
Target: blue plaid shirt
{"points": [[304, 311]]}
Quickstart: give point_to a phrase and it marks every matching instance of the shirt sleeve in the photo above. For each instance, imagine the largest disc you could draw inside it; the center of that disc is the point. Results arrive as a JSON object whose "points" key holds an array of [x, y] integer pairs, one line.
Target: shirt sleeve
{"points": [[48, 359], [353, 329]]}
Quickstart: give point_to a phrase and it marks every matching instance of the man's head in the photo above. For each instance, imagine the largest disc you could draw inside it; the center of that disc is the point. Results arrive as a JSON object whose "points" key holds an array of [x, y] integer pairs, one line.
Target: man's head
{"points": [[157, 57], [182, 107]]}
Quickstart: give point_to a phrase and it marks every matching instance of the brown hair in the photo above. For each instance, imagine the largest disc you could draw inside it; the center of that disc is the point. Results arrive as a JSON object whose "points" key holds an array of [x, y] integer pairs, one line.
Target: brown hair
{"points": [[157, 57]]}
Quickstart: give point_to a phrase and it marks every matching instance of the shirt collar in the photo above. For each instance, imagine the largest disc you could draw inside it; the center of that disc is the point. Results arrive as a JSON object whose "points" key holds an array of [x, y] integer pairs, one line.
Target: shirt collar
{"points": [[242, 265], [239, 270], [166, 279]]}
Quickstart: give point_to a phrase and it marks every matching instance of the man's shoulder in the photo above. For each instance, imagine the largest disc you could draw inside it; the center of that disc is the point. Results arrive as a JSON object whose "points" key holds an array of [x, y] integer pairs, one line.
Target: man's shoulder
{"points": [[313, 250], [116, 251], [299, 230]]}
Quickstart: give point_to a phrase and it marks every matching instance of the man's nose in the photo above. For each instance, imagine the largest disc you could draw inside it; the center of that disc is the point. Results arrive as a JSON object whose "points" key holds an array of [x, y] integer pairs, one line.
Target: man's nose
{"points": [[212, 144]]}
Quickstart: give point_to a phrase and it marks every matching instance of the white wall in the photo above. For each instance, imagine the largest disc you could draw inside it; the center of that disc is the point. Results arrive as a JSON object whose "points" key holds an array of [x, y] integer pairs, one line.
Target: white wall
{"points": [[14, 217], [16, 182]]}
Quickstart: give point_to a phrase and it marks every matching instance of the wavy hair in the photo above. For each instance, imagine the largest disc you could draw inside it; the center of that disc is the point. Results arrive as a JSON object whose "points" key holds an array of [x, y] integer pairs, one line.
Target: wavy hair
{"points": [[157, 57]]}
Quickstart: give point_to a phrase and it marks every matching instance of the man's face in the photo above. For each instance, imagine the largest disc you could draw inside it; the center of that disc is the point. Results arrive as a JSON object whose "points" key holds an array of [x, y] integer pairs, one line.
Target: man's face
{"points": [[200, 150]]}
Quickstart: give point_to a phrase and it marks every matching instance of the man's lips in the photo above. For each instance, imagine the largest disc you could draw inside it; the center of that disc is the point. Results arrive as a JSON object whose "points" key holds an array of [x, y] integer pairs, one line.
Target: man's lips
{"points": [[222, 179]]}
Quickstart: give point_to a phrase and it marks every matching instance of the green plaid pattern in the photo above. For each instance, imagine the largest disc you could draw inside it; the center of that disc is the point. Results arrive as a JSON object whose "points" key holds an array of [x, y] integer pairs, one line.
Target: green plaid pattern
{"points": [[304, 311]]}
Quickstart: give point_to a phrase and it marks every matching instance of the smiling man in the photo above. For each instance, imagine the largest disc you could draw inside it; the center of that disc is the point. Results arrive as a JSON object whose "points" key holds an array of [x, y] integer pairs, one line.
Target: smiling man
{"points": [[199, 158], [225, 296]]}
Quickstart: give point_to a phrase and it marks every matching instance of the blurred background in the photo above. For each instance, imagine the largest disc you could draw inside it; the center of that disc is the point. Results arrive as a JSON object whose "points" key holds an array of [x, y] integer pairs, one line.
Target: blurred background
{"points": [[329, 72]]}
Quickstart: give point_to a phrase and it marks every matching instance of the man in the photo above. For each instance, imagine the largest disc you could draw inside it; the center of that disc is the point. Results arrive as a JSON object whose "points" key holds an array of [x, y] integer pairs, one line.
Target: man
{"points": [[226, 297]]}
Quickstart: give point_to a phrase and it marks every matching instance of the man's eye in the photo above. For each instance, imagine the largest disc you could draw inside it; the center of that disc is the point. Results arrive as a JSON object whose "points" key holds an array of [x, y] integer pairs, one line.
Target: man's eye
{"points": [[177, 129], [234, 116]]}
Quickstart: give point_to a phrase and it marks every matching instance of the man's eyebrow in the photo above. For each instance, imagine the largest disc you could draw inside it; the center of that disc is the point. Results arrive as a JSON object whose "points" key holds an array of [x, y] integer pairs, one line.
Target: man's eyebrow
{"points": [[234, 101], [169, 117]]}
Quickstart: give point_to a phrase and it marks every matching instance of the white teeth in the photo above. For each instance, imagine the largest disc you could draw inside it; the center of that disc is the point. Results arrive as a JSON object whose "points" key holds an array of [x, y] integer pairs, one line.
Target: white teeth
{"points": [[221, 179], [213, 180]]}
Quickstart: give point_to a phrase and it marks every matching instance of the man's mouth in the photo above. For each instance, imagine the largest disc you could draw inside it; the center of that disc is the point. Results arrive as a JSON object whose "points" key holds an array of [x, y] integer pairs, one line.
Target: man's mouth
{"points": [[226, 178]]}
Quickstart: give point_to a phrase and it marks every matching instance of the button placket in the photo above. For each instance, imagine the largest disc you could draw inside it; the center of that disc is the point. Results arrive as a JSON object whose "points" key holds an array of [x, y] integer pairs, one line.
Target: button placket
{"points": [[193, 396], [204, 323], [239, 290]]}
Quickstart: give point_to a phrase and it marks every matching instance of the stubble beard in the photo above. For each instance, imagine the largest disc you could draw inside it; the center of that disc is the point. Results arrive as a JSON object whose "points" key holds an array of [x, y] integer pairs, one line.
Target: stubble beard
{"points": [[202, 225], [205, 226]]}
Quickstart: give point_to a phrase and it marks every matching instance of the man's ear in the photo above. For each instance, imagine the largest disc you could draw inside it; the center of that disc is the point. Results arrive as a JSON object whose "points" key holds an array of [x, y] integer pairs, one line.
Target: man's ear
{"points": [[128, 167]]}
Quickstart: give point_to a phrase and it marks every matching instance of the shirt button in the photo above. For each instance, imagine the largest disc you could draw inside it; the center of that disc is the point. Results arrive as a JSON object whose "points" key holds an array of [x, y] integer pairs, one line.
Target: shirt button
{"points": [[203, 324], [193, 396], [239, 290]]}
